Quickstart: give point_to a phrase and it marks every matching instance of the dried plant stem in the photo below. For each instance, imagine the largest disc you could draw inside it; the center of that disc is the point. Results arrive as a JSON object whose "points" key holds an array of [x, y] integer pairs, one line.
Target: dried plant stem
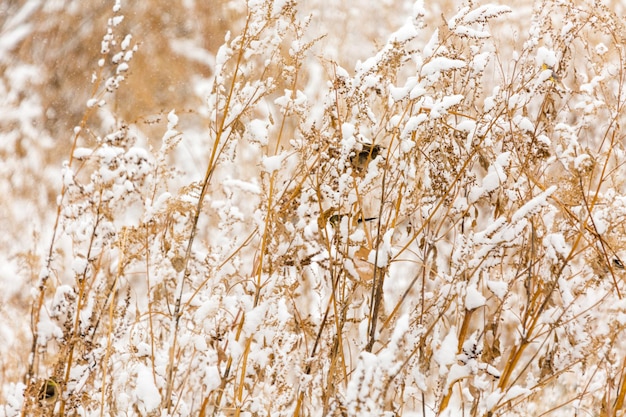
{"points": [[196, 216]]}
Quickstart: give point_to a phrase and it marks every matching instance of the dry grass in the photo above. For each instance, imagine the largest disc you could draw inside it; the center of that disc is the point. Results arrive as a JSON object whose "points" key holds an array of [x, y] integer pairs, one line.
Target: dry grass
{"points": [[436, 231]]}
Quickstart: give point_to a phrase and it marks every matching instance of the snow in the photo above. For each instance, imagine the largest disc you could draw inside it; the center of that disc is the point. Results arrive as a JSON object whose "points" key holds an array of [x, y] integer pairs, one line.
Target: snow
{"points": [[413, 123], [480, 61], [472, 33], [440, 64], [534, 204], [123, 67], [347, 131], [493, 399], [499, 288], [514, 392], [440, 108], [126, 42], [484, 13], [417, 92], [143, 349], [525, 123], [380, 257], [47, 330], [10, 40], [456, 373], [246, 186], [212, 378], [466, 126], [272, 164], [556, 246], [148, 395], [431, 46], [546, 57], [445, 353], [116, 20], [79, 266], [489, 103], [172, 120], [474, 298], [495, 177], [601, 49], [599, 223], [258, 130], [405, 33], [117, 57]]}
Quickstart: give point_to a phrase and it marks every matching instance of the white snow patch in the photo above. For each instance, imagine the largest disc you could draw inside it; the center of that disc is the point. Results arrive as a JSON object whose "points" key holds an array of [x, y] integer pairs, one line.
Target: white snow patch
{"points": [[474, 298], [546, 57], [258, 131], [247, 186], [600, 224], [533, 204], [383, 251], [441, 64], [146, 391], [499, 288], [493, 399], [79, 265], [483, 13], [601, 49], [272, 163], [514, 392], [556, 247], [440, 108], [445, 354], [457, 372]]}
